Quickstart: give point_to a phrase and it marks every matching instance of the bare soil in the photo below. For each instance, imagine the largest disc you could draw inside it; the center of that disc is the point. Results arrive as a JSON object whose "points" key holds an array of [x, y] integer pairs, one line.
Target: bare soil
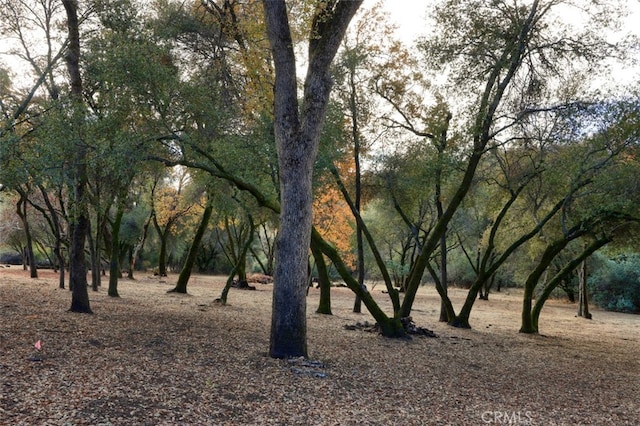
{"points": [[152, 358]]}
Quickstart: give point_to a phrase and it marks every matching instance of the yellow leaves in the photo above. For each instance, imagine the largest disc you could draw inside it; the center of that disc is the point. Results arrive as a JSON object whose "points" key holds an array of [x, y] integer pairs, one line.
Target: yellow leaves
{"points": [[334, 221], [170, 204]]}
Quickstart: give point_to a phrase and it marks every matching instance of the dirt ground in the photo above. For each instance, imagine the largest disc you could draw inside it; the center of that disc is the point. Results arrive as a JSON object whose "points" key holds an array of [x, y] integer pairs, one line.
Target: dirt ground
{"points": [[152, 358]]}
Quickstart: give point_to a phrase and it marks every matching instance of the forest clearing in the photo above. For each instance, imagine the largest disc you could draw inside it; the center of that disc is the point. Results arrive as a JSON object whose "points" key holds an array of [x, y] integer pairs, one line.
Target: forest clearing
{"points": [[154, 358]]}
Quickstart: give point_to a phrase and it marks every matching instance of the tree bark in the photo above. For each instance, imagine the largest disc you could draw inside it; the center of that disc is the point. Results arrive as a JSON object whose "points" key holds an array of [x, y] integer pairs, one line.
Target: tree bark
{"points": [[80, 226], [297, 139], [583, 298]]}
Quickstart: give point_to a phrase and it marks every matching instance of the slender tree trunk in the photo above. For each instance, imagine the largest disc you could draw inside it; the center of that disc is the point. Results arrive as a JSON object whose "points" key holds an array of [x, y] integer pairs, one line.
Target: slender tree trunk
{"points": [[60, 259], [77, 265], [185, 272], [449, 312], [55, 228], [164, 237], [442, 145], [28, 255], [549, 254], [462, 319], [114, 264], [389, 327], [137, 251], [583, 299], [324, 306], [542, 298], [95, 258], [393, 293], [241, 261], [355, 135]]}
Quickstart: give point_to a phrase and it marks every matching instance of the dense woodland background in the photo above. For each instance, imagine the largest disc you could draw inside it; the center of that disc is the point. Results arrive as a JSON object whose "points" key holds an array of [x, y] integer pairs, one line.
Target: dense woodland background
{"points": [[498, 150]]}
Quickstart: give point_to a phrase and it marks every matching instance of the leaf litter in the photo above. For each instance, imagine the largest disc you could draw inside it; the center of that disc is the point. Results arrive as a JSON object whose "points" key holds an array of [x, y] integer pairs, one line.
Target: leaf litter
{"points": [[152, 358]]}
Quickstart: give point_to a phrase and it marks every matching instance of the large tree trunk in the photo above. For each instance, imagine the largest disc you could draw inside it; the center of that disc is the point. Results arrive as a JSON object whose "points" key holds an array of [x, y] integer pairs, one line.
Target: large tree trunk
{"points": [[185, 272], [297, 140], [77, 266]]}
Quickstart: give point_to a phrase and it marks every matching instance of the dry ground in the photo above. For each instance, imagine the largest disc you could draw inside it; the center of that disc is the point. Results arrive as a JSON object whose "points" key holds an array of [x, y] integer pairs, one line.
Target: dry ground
{"points": [[163, 359]]}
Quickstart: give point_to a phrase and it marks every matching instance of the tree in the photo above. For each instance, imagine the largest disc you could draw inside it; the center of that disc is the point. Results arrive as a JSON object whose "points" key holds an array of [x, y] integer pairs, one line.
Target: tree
{"points": [[33, 39], [28, 257], [355, 68], [515, 61], [600, 210], [170, 205], [80, 219], [185, 272], [297, 131]]}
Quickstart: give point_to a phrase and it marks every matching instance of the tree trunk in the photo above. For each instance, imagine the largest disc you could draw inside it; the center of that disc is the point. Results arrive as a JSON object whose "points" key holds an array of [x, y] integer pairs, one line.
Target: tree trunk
{"points": [[462, 319], [28, 255], [238, 266], [137, 251], [77, 266], [95, 258], [389, 327], [542, 298], [55, 229], [393, 293], [164, 237], [324, 306], [297, 140], [443, 277], [185, 272], [114, 264], [355, 135], [583, 298], [442, 146], [499, 78], [549, 254]]}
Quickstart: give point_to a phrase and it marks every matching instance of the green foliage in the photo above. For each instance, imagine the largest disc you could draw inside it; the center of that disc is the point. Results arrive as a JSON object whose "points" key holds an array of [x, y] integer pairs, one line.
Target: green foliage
{"points": [[615, 285]]}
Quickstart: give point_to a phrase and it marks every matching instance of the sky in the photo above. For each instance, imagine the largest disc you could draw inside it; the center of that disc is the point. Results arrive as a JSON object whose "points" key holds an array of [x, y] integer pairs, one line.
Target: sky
{"points": [[411, 18], [410, 15]]}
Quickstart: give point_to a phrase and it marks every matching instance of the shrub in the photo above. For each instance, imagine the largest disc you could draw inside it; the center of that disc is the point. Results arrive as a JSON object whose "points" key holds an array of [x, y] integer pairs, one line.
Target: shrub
{"points": [[615, 284]]}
